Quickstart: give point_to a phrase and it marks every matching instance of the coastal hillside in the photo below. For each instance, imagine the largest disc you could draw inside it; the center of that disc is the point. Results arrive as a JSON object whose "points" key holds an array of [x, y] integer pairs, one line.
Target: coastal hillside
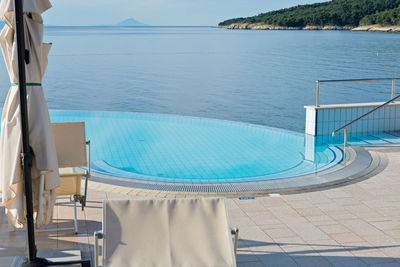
{"points": [[385, 18], [335, 13]]}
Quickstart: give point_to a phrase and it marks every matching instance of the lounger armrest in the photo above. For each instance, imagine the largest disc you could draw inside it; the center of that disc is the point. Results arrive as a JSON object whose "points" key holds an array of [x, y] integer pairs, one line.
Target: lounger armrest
{"points": [[235, 233], [97, 236]]}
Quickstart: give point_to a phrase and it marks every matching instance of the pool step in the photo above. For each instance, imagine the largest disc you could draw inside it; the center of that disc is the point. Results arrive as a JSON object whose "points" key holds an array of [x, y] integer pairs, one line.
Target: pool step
{"points": [[378, 138], [321, 163]]}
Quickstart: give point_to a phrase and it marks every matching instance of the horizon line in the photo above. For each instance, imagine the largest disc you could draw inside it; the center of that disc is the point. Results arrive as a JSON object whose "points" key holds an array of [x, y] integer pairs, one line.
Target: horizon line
{"points": [[116, 25]]}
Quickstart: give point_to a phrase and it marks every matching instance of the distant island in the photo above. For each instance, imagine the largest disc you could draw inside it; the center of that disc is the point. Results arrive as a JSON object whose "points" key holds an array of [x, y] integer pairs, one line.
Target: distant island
{"points": [[355, 15], [131, 22]]}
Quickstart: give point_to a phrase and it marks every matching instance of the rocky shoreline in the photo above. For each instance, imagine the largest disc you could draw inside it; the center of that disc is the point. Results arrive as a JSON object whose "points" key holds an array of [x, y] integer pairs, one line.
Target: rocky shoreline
{"points": [[257, 26], [378, 28]]}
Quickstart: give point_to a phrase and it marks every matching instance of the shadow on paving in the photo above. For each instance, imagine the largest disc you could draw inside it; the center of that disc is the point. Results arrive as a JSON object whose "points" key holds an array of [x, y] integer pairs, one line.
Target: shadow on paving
{"points": [[253, 253], [13, 243]]}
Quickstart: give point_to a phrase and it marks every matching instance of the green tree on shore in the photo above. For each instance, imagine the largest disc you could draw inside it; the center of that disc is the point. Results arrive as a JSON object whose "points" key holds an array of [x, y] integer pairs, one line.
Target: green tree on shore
{"points": [[335, 13]]}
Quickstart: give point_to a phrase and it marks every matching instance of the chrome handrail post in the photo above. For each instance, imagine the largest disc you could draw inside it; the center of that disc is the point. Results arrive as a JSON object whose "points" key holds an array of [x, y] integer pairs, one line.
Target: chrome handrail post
{"points": [[317, 104], [393, 84], [345, 142]]}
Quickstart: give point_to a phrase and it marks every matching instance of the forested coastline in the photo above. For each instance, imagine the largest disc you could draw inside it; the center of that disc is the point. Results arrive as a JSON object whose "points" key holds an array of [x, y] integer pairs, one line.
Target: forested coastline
{"points": [[342, 14]]}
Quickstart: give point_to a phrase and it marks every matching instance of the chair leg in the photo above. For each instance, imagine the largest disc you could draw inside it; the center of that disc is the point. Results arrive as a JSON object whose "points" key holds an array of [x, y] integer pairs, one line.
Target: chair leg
{"points": [[235, 233], [75, 218], [85, 195], [97, 236]]}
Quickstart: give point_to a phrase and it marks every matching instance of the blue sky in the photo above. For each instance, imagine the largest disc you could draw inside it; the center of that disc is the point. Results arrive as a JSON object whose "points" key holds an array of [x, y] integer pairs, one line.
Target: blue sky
{"points": [[159, 12]]}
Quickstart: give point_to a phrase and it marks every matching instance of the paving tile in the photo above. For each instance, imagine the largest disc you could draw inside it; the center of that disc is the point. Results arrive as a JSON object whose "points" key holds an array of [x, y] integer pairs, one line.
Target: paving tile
{"points": [[308, 261], [261, 218], [242, 221], [279, 232], [351, 263], [251, 205], [391, 251], [283, 212], [393, 233], [269, 202], [302, 249], [389, 211], [245, 256], [269, 248], [333, 252], [372, 257], [331, 208], [318, 198], [302, 204], [361, 227], [250, 264], [321, 220], [381, 240], [380, 218], [294, 197], [277, 260], [360, 247], [254, 236], [347, 201], [311, 211], [288, 241], [343, 238], [343, 215], [387, 264], [387, 225], [272, 226], [294, 219], [237, 213], [334, 229], [359, 210], [307, 231], [337, 193], [378, 203]]}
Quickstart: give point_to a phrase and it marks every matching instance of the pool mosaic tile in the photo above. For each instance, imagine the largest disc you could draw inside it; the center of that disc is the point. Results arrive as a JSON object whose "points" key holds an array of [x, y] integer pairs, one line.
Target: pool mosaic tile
{"points": [[169, 148]]}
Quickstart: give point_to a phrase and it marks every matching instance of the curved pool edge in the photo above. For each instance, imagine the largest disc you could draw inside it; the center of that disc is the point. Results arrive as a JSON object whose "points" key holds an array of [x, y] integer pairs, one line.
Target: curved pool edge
{"points": [[363, 164], [102, 168], [110, 167]]}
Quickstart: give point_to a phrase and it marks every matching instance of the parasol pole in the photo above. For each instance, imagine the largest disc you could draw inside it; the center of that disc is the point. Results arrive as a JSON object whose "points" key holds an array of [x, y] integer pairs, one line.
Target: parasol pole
{"points": [[26, 156]]}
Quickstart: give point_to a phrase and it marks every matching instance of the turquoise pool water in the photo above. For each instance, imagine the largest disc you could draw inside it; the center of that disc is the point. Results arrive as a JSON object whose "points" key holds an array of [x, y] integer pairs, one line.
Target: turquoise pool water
{"points": [[169, 148]]}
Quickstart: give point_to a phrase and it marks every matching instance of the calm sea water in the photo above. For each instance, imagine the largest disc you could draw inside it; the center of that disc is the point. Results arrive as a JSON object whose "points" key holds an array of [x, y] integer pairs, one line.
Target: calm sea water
{"points": [[261, 77]]}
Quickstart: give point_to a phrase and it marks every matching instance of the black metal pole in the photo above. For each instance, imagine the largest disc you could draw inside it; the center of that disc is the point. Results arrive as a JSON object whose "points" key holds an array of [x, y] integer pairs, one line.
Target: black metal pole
{"points": [[26, 156]]}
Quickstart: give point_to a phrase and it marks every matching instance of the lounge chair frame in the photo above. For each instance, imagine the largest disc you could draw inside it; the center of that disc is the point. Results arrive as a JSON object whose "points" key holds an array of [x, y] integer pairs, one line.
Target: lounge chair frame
{"points": [[100, 235], [71, 166]]}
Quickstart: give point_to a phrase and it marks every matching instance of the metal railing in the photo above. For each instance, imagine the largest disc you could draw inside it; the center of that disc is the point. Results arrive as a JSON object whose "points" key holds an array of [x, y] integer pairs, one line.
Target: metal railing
{"points": [[355, 80], [360, 118]]}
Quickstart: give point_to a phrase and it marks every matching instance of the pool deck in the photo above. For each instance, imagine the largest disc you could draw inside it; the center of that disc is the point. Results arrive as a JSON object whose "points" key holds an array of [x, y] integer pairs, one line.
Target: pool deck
{"points": [[356, 224]]}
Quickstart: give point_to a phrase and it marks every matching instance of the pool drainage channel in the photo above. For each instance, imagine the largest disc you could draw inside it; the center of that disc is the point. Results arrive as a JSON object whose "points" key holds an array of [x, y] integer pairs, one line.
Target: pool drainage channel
{"points": [[361, 163]]}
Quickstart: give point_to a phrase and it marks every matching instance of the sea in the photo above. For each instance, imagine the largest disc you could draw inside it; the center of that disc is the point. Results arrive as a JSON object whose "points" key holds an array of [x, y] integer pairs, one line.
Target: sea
{"points": [[259, 77]]}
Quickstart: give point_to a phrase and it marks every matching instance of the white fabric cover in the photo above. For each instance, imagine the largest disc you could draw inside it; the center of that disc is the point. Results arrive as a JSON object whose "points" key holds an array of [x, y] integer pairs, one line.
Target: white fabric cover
{"points": [[41, 137], [33, 6], [167, 232]]}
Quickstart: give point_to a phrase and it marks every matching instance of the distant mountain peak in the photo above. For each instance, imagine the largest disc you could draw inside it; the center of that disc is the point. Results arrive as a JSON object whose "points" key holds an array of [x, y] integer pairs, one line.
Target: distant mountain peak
{"points": [[131, 22]]}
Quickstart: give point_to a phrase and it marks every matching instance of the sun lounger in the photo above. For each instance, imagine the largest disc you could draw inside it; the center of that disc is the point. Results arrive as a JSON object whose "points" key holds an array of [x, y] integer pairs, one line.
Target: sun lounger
{"points": [[70, 141], [166, 232]]}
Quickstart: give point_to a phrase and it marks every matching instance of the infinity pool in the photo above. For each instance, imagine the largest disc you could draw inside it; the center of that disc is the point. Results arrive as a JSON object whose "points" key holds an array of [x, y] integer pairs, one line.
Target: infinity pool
{"points": [[180, 149]]}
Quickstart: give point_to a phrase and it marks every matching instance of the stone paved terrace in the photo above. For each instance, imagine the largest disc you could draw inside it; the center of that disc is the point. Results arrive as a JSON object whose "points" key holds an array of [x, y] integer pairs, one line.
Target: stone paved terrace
{"points": [[353, 225]]}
